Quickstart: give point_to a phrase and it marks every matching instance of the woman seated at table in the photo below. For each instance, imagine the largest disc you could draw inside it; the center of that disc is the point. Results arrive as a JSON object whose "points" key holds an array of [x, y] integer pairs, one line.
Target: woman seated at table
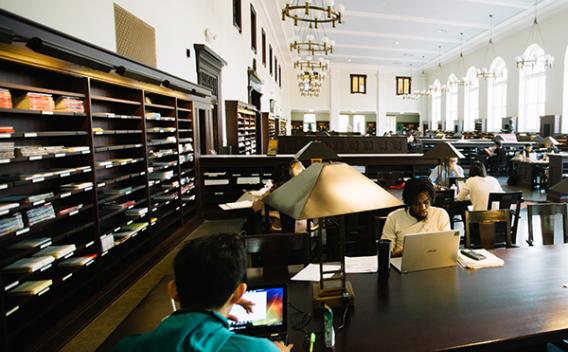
{"points": [[478, 186], [417, 216], [439, 174]]}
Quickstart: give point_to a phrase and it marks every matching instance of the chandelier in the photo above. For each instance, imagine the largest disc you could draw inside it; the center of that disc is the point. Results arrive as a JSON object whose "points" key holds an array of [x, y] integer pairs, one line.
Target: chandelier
{"points": [[313, 11], [536, 61], [484, 72], [309, 64], [311, 42], [310, 82]]}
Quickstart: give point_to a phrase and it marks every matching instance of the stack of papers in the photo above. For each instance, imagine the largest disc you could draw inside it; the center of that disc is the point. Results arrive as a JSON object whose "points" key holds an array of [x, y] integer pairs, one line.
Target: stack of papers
{"points": [[78, 261], [77, 186], [69, 104], [32, 243], [312, 272], [57, 251], [11, 224], [5, 99], [490, 261], [7, 150], [367, 264], [39, 214], [29, 265], [236, 205], [36, 101], [32, 288]]}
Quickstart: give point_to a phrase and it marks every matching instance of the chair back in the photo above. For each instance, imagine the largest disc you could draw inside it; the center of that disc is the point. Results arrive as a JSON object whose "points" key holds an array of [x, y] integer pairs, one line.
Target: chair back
{"points": [[505, 201], [275, 251], [445, 200], [547, 213], [487, 222]]}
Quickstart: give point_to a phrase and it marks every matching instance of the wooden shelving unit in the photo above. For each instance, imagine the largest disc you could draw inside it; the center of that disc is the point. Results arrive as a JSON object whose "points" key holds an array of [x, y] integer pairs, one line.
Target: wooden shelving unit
{"points": [[242, 131], [115, 182]]}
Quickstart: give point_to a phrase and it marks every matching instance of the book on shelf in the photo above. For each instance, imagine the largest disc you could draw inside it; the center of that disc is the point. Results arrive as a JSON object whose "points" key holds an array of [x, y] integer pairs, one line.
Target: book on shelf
{"points": [[76, 186], [56, 252], [7, 206], [69, 210], [11, 224], [30, 265], [77, 261], [118, 206], [5, 99], [136, 212], [30, 243], [32, 288], [24, 198], [69, 104], [40, 214], [35, 101]]}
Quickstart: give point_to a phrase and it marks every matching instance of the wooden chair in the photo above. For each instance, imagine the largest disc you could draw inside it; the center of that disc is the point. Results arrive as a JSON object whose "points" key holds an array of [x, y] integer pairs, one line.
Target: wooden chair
{"points": [[487, 222], [445, 200], [505, 201], [275, 251], [547, 213]]}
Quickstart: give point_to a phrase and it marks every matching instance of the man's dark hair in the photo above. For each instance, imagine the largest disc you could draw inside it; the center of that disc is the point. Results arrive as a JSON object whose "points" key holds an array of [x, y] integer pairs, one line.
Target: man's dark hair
{"points": [[208, 269], [498, 142], [477, 169], [414, 187]]}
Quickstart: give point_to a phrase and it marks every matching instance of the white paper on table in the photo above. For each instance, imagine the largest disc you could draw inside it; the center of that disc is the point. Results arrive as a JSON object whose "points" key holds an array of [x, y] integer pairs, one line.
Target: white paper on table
{"points": [[490, 261], [312, 272], [361, 264], [237, 205]]}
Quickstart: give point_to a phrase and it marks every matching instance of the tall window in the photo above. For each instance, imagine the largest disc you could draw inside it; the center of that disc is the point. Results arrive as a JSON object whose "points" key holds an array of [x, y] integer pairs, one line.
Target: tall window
{"points": [[564, 123], [280, 76], [309, 122], [358, 84], [403, 85], [451, 102], [497, 96], [275, 69], [359, 123], [263, 43], [532, 93], [237, 19], [252, 28], [343, 123], [270, 58], [437, 104], [471, 100]]}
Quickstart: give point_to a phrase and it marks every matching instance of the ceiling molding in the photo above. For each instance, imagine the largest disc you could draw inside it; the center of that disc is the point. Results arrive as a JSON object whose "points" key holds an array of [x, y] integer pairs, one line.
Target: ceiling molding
{"points": [[375, 58], [503, 3], [384, 16], [396, 36], [384, 48]]}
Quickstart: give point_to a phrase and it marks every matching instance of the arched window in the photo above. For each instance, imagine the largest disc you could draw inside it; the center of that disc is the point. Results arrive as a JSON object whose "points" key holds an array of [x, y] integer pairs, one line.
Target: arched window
{"points": [[497, 95], [532, 92], [436, 104], [451, 102], [564, 123], [471, 100]]}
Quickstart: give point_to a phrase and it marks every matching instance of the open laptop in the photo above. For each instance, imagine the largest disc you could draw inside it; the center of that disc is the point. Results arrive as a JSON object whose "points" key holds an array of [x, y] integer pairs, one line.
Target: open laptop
{"points": [[269, 317], [424, 251]]}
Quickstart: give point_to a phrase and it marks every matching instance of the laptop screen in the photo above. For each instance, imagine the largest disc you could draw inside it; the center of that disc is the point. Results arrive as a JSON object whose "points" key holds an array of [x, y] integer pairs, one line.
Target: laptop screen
{"points": [[268, 313]]}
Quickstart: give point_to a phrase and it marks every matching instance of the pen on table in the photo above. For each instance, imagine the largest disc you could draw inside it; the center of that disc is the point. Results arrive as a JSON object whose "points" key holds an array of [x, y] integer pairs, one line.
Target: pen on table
{"points": [[312, 341]]}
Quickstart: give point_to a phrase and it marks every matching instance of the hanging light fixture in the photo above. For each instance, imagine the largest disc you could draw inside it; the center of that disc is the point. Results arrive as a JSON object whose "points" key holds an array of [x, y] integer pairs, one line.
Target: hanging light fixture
{"points": [[537, 61], [460, 82], [488, 72], [312, 42], [315, 12]]}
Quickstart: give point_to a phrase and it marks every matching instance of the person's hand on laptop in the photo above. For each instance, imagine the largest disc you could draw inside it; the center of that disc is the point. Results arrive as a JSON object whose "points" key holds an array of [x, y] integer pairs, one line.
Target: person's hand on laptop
{"points": [[282, 347], [247, 306]]}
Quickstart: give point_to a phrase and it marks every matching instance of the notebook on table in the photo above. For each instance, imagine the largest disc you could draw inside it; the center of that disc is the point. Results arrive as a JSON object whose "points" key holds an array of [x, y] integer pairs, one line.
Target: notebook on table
{"points": [[431, 250]]}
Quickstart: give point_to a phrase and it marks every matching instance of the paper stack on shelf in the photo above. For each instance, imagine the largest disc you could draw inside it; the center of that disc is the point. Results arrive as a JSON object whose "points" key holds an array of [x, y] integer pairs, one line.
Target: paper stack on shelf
{"points": [[77, 149], [164, 197], [11, 224], [32, 243], [185, 157], [166, 175], [187, 147], [119, 206], [78, 261], [153, 114], [36, 101], [7, 129], [7, 206], [5, 99], [30, 265], [162, 129], [107, 242], [69, 210], [170, 139], [27, 198], [7, 150], [104, 163], [57, 251], [118, 191], [137, 226], [69, 104], [77, 186], [136, 212], [35, 150], [39, 214], [32, 288]]}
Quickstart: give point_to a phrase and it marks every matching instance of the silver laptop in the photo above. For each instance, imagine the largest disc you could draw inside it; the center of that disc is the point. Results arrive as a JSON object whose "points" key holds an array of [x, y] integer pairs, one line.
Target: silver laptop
{"points": [[431, 250]]}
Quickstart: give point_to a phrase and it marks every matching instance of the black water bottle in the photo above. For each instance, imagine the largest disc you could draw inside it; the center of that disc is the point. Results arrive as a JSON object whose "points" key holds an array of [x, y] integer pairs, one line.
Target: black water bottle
{"points": [[384, 254]]}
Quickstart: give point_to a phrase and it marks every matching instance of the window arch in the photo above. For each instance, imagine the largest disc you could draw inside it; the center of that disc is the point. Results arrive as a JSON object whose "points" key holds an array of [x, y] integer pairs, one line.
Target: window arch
{"points": [[471, 99], [436, 104], [451, 101], [532, 92], [497, 95], [564, 123]]}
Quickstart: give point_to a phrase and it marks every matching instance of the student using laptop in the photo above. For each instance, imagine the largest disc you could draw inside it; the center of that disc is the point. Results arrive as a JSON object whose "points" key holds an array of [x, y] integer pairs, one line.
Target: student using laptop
{"points": [[478, 186], [417, 216], [209, 273], [439, 175]]}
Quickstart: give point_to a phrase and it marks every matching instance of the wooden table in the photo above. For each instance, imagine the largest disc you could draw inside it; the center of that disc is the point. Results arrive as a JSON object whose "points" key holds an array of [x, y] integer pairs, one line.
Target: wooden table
{"points": [[531, 174], [514, 307]]}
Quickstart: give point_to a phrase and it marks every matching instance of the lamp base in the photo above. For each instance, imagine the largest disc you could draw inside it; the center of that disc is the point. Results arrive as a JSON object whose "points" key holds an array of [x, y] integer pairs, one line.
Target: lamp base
{"points": [[333, 297]]}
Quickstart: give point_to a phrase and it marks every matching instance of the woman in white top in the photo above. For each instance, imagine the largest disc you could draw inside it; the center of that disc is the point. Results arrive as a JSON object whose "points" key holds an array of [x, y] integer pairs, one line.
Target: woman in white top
{"points": [[478, 186]]}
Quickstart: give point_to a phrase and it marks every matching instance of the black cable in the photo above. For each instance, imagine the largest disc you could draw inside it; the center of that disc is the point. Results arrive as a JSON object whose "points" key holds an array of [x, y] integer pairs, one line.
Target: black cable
{"points": [[345, 311]]}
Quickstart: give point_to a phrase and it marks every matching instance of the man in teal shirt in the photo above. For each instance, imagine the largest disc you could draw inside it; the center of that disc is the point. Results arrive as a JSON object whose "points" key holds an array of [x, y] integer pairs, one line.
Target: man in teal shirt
{"points": [[209, 273]]}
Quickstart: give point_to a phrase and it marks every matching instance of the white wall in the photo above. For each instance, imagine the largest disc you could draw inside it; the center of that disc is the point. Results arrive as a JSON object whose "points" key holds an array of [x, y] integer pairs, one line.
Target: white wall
{"points": [[380, 98], [554, 30], [179, 25]]}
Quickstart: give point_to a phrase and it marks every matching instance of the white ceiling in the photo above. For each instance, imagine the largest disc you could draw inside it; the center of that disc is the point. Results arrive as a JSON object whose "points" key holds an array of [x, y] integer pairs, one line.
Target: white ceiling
{"points": [[400, 32]]}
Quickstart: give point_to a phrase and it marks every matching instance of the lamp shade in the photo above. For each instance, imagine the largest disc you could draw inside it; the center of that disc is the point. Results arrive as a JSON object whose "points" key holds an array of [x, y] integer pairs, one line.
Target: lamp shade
{"points": [[443, 151], [332, 189], [550, 140], [316, 150]]}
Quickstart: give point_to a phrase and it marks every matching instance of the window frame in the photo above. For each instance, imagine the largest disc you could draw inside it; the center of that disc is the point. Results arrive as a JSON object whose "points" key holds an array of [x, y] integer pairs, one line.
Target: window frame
{"points": [[400, 80], [358, 77], [275, 69], [238, 15], [263, 44], [270, 58], [253, 34]]}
